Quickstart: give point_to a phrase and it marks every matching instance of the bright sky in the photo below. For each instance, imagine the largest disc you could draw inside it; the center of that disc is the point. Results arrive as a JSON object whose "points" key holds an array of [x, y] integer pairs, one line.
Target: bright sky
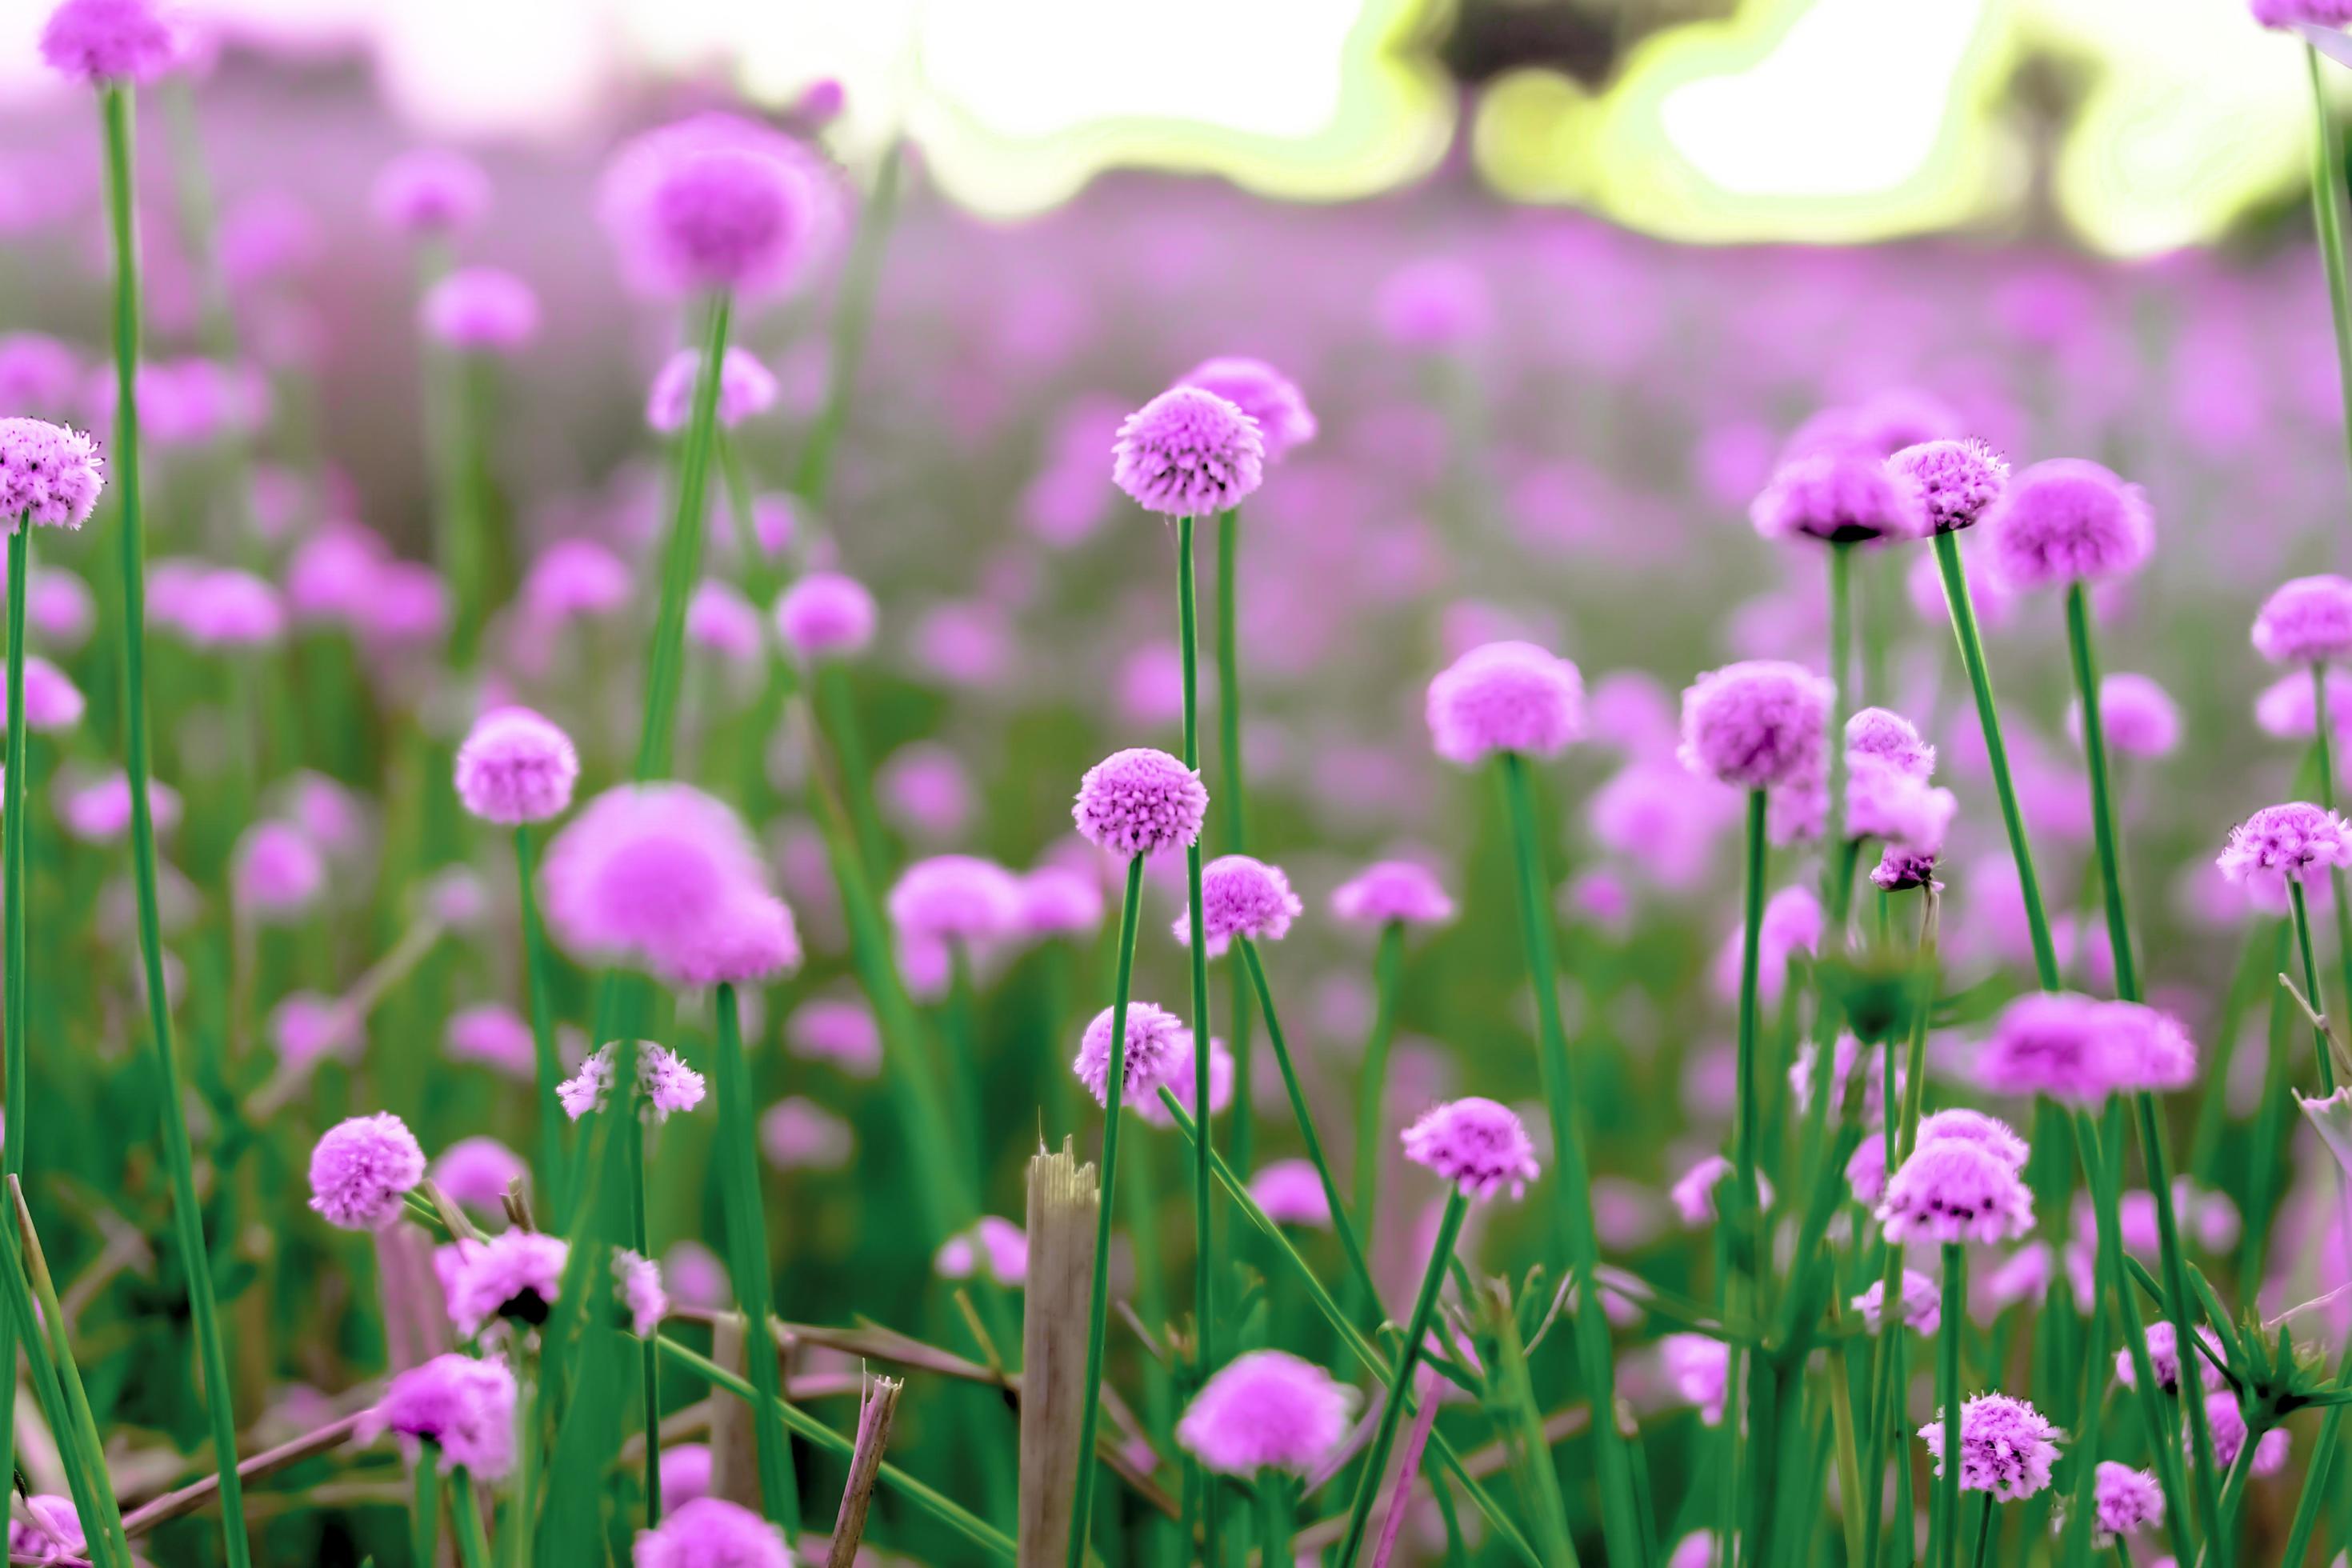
{"points": [[1823, 120]]}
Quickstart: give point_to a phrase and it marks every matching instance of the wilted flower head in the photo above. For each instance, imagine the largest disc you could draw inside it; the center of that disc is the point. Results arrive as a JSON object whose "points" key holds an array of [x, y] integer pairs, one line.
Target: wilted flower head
{"points": [[1900, 869], [664, 1079], [1263, 392], [1843, 498], [359, 1168], [1140, 802], [1756, 725], [1476, 1144], [2007, 1446], [657, 875], [956, 898], [2297, 842], [2068, 520], [1952, 1190], [1923, 1307], [102, 41], [1291, 1193], [514, 1274], [1386, 890], [1266, 1410], [1246, 898], [746, 387], [1188, 452], [718, 202], [1155, 1043], [515, 766], [50, 472], [2137, 716], [464, 1405], [430, 191], [1505, 697], [480, 308], [2124, 1501], [826, 615]]}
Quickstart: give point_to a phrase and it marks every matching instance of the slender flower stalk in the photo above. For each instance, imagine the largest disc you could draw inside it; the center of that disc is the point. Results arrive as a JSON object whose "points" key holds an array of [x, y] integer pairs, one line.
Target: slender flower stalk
{"points": [[1837, 861], [747, 1246], [682, 554], [2323, 753], [546, 1066], [1947, 1396], [424, 1526], [18, 980], [633, 1135], [1204, 1264], [1234, 799], [466, 1511], [1400, 1378], [68, 1408], [2327, 212], [1748, 1115], [1372, 1083], [2094, 754]]}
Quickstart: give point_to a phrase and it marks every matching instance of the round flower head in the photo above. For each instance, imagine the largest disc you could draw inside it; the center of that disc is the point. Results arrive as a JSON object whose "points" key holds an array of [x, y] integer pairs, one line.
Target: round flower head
{"points": [[664, 1079], [1989, 1133], [1140, 802], [2307, 620], [360, 1167], [2281, 844], [1263, 392], [1953, 1190], [2074, 1048], [479, 1172], [1505, 697], [997, 1247], [797, 1133], [514, 1274], [2007, 1446], [101, 41], [956, 898], [1179, 1082], [826, 615], [1844, 497], [231, 609], [1699, 1367], [50, 1530], [1476, 1144], [2151, 1048], [1694, 1191], [719, 617], [1246, 898], [1865, 1169], [2163, 1342], [650, 874], [1188, 452], [745, 387], [1155, 1044], [2285, 14], [515, 766], [430, 191], [637, 1284], [1756, 725], [52, 701], [1954, 480], [1266, 1410], [1291, 1193], [39, 372], [2137, 716], [717, 201], [575, 577], [1922, 1308], [278, 872], [1060, 900], [836, 1030], [2067, 520], [2124, 1501], [464, 1405], [711, 1532], [484, 308], [1438, 304], [1392, 890], [1891, 738], [47, 472], [1884, 802], [1900, 869]]}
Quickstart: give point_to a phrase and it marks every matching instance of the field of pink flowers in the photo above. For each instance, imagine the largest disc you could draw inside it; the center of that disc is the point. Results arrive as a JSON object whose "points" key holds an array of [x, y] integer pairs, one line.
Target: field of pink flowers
{"points": [[616, 756]]}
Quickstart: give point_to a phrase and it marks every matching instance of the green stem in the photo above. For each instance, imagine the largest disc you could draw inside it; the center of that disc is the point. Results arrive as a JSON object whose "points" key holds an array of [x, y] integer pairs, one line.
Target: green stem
{"points": [[549, 1064], [633, 1132], [2323, 751], [861, 276], [682, 557], [1540, 1476], [473, 1547], [1232, 798], [2328, 214], [19, 1119], [1621, 1513], [1984, 1529], [1371, 1082], [1204, 1255], [2102, 818], [2316, 1476], [1947, 1396], [2301, 908], [1837, 881], [77, 1431], [186, 1213], [747, 1263], [832, 683], [1964, 628], [1099, 1304], [1749, 1112], [522, 1519], [424, 1543], [1400, 1379]]}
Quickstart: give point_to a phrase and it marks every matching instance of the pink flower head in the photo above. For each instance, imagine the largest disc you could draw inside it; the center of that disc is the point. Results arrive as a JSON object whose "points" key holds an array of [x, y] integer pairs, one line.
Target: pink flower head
{"points": [[226, 608], [306, 1027], [2163, 1342], [430, 191], [1888, 737], [1403, 892], [996, 1246], [746, 387], [1885, 802], [2124, 1501], [718, 202], [2227, 1422], [102, 41], [2080, 1050], [2285, 708], [1989, 1133], [719, 617], [2007, 1446], [1291, 1193], [1698, 1367], [514, 1274], [664, 1080], [659, 874], [495, 1035], [52, 701], [464, 1405], [1438, 304], [637, 1283], [1756, 725], [1179, 1082], [1955, 481], [276, 871], [1846, 1058], [2287, 14], [1865, 1169], [1923, 1307], [1791, 925], [574, 577], [797, 1133], [50, 1532], [1156, 1043], [37, 372], [2068, 520], [955, 898], [1505, 697], [2137, 716], [485, 310], [2307, 620], [2295, 843], [837, 1030], [711, 1532], [1188, 452], [360, 1167], [821, 102], [1844, 497], [479, 1172], [1060, 900], [1266, 1410], [515, 767], [50, 473], [1262, 391], [1478, 1144], [826, 615], [1140, 802], [1246, 898], [1951, 1191]]}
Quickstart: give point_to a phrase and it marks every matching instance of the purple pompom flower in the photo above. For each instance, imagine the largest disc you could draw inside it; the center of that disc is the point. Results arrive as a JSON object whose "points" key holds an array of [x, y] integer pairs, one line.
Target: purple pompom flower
{"points": [[1476, 1144], [1180, 1083], [2066, 521], [2079, 1050], [1505, 697], [797, 1133], [837, 1030], [1243, 897], [1694, 1191], [2283, 15], [52, 701], [1392, 890], [1954, 480], [746, 387], [2297, 842], [481, 309], [464, 1405], [2227, 1422], [1188, 452], [711, 1532], [359, 1168], [48, 472], [479, 1172], [1060, 900], [1888, 737], [2137, 716], [430, 192], [1953, 1190], [637, 1284], [955, 898], [992, 1246], [1266, 1410], [718, 202], [826, 616], [1760, 724], [1923, 1307], [1699, 1368], [1155, 1044], [2307, 620], [2163, 1342], [515, 767], [2123, 1501], [1885, 802], [514, 1274], [1263, 392], [664, 1080], [1843, 498], [575, 577], [656, 874], [277, 872], [2007, 1446], [102, 41], [1900, 869], [1140, 802], [1989, 1133], [1291, 1193]]}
